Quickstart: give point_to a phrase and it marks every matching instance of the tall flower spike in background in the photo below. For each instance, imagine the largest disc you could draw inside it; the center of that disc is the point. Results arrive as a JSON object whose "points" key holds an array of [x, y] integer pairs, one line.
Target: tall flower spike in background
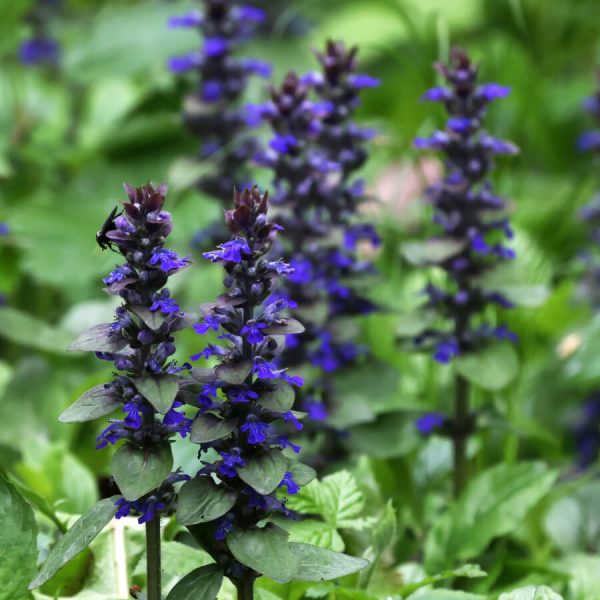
{"points": [[41, 48], [140, 343], [473, 225], [243, 402], [213, 112]]}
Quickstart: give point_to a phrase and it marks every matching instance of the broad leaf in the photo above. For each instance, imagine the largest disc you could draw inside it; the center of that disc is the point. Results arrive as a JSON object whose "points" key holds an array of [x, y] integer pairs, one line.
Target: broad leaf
{"points": [[411, 324], [302, 474], [290, 326], [159, 391], [279, 399], [203, 374], [18, 543], [492, 368], [152, 318], [208, 428], [200, 584], [201, 500], [446, 595], [234, 374], [532, 592], [97, 402], [97, 339], [266, 551], [76, 540], [494, 503], [320, 564], [470, 571], [265, 472], [316, 533], [138, 471], [432, 251]]}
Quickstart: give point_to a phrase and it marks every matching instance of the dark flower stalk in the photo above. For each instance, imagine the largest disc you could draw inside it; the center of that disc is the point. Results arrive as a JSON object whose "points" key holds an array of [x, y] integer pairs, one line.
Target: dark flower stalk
{"points": [[473, 226], [587, 438], [41, 48], [246, 397], [213, 112], [140, 343]]}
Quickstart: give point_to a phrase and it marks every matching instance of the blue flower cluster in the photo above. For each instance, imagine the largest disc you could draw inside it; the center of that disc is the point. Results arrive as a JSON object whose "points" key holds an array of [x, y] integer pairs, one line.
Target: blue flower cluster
{"points": [[243, 399], [213, 112], [471, 216], [140, 338], [41, 48], [314, 152]]}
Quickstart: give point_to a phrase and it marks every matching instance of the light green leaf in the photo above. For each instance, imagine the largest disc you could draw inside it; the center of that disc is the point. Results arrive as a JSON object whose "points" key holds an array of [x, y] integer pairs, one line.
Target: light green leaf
{"points": [[201, 500], [97, 402], [201, 584], [264, 472], [208, 428], [159, 391], [431, 251], [317, 533], [531, 592], [470, 571], [493, 368], [138, 471], [320, 564], [446, 595], [18, 547], [494, 504], [76, 539], [266, 551]]}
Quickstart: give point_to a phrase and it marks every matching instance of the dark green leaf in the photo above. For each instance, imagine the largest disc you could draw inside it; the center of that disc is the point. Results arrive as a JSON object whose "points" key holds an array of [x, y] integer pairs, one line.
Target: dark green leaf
{"points": [[266, 551], [234, 374], [431, 251], [97, 402], [265, 472], [97, 339], [203, 375], [137, 471], [320, 564], [492, 368], [160, 391], [201, 500], [302, 474], [200, 584], [208, 427], [290, 326], [279, 399], [76, 540], [152, 318], [18, 546]]}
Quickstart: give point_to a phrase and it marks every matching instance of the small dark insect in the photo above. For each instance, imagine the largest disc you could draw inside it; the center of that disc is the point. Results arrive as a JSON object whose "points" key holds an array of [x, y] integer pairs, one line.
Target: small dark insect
{"points": [[101, 238]]}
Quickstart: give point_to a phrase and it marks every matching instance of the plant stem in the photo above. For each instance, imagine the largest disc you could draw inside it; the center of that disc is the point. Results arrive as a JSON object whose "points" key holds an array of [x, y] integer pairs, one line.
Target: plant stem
{"points": [[461, 417], [245, 588], [153, 570]]}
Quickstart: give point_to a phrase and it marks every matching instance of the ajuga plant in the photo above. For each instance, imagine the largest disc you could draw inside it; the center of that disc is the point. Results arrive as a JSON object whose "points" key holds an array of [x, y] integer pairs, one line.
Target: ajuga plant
{"points": [[41, 48], [238, 494], [314, 153], [140, 344], [473, 225], [213, 112], [586, 432]]}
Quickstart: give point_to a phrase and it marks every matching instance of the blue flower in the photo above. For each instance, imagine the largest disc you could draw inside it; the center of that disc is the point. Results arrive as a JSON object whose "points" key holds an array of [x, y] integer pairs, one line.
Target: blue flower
{"points": [[429, 422], [255, 429], [224, 527], [181, 64], [250, 13], [492, 91], [446, 350], [252, 332], [231, 251], [119, 274], [193, 18], [362, 80], [211, 321], [215, 46], [437, 94], [290, 417], [230, 462], [283, 143], [165, 305], [168, 260], [40, 51], [289, 483]]}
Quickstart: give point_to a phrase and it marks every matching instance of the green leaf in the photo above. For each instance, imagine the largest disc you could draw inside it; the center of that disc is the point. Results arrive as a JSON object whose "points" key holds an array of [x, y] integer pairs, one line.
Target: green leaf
{"points": [[316, 533], [266, 550], [290, 326], [234, 374], [446, 595], [320, 564], [469, 570], [76, 539], [21, 328], [159, 391], [494, 504], [531, 592], [337, 499], [203, 375], [201, 500], [493, 368], [264, 472], [97, 402], [97, 339], [18, 543], [152, 318], [411, 324], [431, 251], [208, 428], [302, 474], [138, 471], [201, 584], [278, 399]]}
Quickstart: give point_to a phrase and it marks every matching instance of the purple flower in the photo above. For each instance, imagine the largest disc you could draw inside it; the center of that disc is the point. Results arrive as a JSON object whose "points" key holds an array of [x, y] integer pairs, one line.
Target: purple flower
{"points": [[252, 332], [181, 64], [255, 429], [39, 51], [212, 91], [589, 141], [118, 275], [492, 91], [289, 483], [165, 305], [283, 143], [168, 260], [436, 94], [211, 321], [445, 351], [258, 67], [230, 251], [193, 18], [290, 417], [215, 46], [224, 527], [230, 462], [362, 80], [251, 13], [429, 422]]}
